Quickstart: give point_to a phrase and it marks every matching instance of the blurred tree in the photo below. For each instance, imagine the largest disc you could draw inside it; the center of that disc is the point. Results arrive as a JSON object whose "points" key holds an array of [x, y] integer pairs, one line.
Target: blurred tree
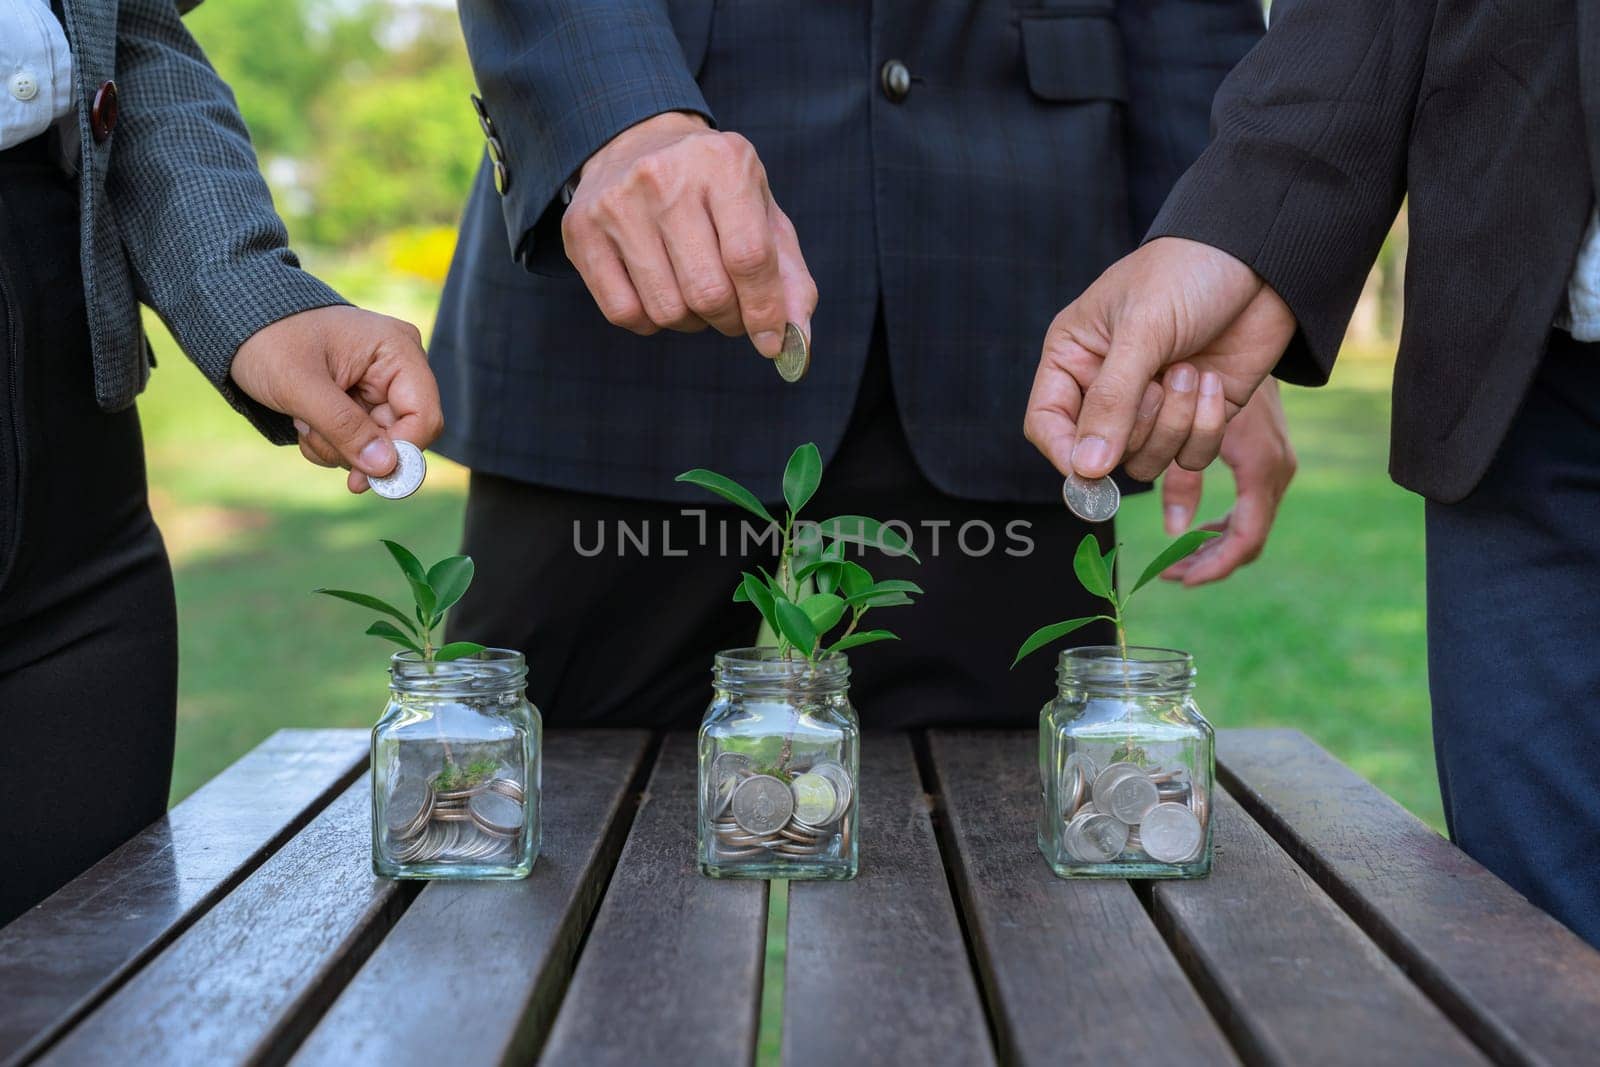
{"points": [[358, 109]]}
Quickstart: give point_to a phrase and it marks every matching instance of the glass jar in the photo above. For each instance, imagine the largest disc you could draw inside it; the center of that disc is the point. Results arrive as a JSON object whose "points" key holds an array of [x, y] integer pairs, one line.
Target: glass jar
{"points": [[456, 769], [780, 748], [1125, 767]]}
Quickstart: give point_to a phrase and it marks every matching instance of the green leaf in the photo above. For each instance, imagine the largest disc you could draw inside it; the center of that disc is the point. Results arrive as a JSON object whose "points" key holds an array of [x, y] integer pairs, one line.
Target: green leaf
{"points": [[805, 546], [370, 602], [855, 580], [801, 477], [410, 565], [876, 598], [1091, 567], [824, 610], [727, 489], [860, 530], [795, 624], [456, 650], [866, 637], [758, 593], [1182, 548], [449, 579], [427, 602], [390, 633], [740, 594], [1054, 632], [896, 585], [1111, 566]]}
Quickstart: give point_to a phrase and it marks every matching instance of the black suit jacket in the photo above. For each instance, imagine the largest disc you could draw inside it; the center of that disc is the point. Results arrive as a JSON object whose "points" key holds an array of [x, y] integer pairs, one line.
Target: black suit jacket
{"points": [[1472, 109], [1034, 146]]}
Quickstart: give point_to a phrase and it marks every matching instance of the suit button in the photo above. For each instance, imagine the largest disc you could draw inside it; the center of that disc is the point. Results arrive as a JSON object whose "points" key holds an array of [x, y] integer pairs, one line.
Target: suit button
{"points": [[896, 80], [484, 121], [502, 178], [497, 151], [103, 112]]}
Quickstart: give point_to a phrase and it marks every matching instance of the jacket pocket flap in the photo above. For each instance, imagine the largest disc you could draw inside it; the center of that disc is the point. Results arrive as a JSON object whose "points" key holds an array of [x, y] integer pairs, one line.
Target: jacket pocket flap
{"points": [[1074, 57]]}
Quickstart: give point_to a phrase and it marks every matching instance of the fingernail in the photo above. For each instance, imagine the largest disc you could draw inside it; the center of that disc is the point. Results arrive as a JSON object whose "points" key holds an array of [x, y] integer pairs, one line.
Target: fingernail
{"points": [[1210, 384], [1091, 454], [1177, 520], [1183, 379], [1151, 405], [378, 458], [768, 342], [301, 428]]}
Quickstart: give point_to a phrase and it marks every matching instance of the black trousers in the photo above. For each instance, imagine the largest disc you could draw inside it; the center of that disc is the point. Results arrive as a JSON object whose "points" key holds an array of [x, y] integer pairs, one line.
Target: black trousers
{"points": [[1513, 631], [88, 627], [620, 605]]}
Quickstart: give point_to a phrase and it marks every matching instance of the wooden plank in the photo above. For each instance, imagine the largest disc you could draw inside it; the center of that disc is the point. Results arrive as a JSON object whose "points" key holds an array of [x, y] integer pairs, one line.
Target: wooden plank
{"points": [[63, 957], [248, 978], [502, 952], [1518, 982], [671, 972], [1289, 975], [877, 971], [1066, 965]]}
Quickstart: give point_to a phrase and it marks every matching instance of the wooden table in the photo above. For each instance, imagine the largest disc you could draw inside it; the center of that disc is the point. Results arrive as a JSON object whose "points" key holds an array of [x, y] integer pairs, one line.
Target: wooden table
{"points": [[247, 927]]}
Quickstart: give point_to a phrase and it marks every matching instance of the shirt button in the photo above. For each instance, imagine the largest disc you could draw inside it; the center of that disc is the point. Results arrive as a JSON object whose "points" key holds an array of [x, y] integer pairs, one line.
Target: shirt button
{"points": [[896, 80], [24, 86]]}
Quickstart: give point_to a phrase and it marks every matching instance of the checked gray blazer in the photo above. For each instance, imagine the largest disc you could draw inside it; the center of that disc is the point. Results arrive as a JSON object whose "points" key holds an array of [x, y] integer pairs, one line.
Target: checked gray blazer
{"points": [[174, 211]]}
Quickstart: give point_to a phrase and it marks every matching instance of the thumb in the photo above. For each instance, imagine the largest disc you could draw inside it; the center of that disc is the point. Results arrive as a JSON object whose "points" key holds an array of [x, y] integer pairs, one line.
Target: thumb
{"points": [[344, 424], [1180, 498]]}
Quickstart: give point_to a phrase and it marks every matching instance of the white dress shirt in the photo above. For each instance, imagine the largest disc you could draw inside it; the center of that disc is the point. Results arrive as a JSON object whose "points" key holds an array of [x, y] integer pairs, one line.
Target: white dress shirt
{"points": [[1582, 318], [35, 70]]}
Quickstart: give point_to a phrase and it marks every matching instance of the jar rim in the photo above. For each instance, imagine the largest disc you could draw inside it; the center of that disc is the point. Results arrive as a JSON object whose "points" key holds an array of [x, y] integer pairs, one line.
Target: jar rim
{"points": [[1138, 667], [763, 666], [1151, 655], [491, 670]]}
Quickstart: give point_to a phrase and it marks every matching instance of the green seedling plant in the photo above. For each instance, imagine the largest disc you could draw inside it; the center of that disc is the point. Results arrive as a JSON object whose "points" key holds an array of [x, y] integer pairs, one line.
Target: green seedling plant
{"points": [[815, 589], [434, 591], [1096, 574]]}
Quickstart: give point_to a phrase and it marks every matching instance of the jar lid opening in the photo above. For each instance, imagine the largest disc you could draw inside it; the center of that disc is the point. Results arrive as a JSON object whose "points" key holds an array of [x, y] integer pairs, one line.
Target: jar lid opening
{"points": [[492, 670]]}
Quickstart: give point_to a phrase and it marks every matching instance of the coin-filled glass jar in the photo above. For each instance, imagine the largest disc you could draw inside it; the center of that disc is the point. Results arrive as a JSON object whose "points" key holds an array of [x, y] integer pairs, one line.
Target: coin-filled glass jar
{"points": [[779, 754], [1125, 767], [456, 769]]}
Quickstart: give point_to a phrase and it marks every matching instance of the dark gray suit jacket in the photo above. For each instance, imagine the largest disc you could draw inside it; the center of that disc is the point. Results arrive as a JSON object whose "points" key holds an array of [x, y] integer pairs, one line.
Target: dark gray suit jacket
{"points": [[1034, 146], [174, 211], [1476, 112]]}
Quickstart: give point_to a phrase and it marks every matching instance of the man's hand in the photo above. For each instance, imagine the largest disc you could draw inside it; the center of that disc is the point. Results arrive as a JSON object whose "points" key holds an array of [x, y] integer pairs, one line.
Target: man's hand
{"points": [[1178, 305], [353, 380], [673, 227], [1257, 447]]}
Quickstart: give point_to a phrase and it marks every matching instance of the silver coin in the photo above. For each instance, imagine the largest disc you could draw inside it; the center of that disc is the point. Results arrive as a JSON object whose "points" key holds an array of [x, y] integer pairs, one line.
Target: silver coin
{"points": [[1171, 833], [1199, 803], [410, 803], [1081, 772], [835, 772], [496, 813], [720, 782], [509, 786], [794, 358], [406, 478], [1094, 837], [762, 804], [1126, 792], [815, 798], [1092, 500]]}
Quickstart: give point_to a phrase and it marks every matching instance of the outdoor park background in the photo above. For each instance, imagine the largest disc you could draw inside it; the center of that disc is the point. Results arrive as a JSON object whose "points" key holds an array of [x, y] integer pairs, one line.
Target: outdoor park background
{"points": [[359, 111], [360, 115]]}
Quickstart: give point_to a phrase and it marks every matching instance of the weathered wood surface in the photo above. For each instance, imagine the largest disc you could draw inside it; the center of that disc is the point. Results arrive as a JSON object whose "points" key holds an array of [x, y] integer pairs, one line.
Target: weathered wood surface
{"points": [[482, 965], [1289, 975], [249, 977], [671, 971], [1518, 982], [61, 958], [877, 971], [1068, 966]]}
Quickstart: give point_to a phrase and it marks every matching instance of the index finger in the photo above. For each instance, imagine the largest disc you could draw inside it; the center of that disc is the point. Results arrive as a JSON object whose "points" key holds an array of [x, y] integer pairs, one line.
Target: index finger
{"points": [[750, 256], [1111, 403]]}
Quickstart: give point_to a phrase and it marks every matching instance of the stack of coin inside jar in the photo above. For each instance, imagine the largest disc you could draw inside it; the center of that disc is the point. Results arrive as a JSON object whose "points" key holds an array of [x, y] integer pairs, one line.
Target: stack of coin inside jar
{"points": [[761, 817], [1127, 813], [472, 824]]}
